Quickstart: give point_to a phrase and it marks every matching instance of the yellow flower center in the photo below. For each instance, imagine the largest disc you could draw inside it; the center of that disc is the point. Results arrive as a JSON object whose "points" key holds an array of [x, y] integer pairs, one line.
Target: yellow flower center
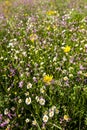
{"points": [[66, 117]]}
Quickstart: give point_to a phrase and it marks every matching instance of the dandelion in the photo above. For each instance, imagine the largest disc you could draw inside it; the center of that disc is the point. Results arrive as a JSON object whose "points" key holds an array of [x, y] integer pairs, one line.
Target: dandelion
{"points": [[28, 101], [45, 118], [51, 12], [67, 49], [47, 79]]}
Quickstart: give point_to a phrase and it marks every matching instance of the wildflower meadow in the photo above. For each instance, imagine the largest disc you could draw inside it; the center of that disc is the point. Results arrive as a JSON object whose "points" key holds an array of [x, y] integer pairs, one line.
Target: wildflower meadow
{"points": [[43, 65]]}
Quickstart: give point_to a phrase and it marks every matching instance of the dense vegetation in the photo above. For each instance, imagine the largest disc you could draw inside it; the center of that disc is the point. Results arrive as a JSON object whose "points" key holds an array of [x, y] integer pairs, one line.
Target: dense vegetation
{"points": [[43, 65]]}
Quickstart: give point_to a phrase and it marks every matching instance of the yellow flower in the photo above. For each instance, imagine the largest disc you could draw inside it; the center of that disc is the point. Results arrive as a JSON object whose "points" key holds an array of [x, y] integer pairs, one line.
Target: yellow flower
{"points": [[51, 12], [48, 28], [47, 79], [66, 117], [25, 14], [15, 93], [19, 115], [81, 26], [33, 37], [54, 27], [65, 78], [67, 49], [7, 3], [7, 129]]}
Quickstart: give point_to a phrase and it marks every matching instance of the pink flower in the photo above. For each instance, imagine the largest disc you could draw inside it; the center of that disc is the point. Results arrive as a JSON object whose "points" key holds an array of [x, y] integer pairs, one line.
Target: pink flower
{"points": [[20, 84]]}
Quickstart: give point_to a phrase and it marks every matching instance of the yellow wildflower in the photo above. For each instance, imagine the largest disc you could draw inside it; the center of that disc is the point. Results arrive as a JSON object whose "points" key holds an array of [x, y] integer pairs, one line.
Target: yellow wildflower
{"points": [[25, 14], [15, 93], [48, 28], [47, 79], [81, 26], [51, 12], [7, 129], [65, 78], [19, 115], [7, 3], [33, 37], [54, 27], [67, 49], [66, 117]]}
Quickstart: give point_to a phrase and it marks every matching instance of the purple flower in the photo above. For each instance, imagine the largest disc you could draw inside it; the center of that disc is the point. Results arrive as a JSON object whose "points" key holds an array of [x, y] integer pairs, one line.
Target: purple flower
{"points": [[9, 115], [3, 124], [13, 71], [81, 67], [35, 79], [20, 84]]}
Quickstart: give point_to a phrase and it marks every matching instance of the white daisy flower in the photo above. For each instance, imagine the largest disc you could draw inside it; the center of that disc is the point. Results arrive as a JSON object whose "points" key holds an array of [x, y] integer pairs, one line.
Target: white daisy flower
{"points": [[28, 101], [42, 101], [20, 101], [6, 111], [29, 85], [27, 120], [45, 118], [34, 122], [51, 113]]}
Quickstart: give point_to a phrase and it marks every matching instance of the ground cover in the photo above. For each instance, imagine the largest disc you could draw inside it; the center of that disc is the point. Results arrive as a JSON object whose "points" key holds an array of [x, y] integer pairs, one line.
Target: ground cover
{"points": [[43, 65]]}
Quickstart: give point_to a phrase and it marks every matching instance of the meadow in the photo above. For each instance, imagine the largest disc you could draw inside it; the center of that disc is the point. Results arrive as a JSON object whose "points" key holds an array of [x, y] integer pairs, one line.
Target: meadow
{"points": [[43, 65]]}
